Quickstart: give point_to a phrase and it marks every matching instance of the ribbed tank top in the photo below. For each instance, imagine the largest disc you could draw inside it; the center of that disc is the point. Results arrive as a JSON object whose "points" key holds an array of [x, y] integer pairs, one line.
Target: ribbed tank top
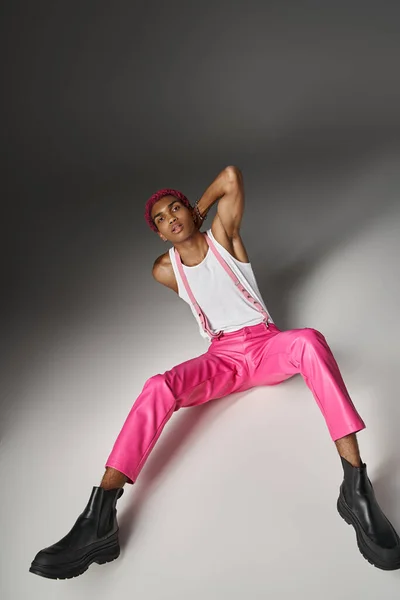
{"points": [[225, 307]]}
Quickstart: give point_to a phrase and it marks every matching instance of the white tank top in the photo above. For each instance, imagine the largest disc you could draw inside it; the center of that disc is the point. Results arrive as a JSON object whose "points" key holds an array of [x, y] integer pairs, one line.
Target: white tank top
{"points": [[225, 307]]}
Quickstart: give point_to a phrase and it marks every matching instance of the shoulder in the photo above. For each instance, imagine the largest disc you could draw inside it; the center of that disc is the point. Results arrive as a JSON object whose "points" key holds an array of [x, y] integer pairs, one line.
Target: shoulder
{"points": [[163, 272]]}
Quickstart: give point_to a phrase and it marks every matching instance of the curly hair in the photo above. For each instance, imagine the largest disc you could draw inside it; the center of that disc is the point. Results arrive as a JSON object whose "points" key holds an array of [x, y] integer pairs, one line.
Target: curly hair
{"points": [[157, 196]]}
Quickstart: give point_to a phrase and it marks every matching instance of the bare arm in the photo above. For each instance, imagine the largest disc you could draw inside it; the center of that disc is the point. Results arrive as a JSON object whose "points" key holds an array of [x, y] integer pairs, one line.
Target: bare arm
{"points": [[228, 190], [163, 272]]}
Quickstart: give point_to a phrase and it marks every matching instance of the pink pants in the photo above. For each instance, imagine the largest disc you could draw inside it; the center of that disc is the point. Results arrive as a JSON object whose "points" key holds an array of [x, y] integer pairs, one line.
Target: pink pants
{"points": [[252, 356]]}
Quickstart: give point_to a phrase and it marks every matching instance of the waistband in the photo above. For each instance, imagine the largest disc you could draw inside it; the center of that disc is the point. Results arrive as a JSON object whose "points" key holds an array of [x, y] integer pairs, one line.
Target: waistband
{"points": [[247, 330]]}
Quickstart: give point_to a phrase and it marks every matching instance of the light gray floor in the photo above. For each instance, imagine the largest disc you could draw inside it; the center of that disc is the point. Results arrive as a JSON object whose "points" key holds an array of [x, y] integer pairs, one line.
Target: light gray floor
{"points": [[239, 496]]}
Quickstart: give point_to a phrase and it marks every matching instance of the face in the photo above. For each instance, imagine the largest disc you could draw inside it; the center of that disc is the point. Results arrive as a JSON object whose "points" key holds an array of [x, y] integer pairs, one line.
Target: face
{"points": [[168, 213]]}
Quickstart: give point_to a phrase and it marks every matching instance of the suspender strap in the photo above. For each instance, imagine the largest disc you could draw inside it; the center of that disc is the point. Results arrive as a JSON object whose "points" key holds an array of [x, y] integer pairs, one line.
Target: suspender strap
{"points": [[203, 318], [236, 281]]}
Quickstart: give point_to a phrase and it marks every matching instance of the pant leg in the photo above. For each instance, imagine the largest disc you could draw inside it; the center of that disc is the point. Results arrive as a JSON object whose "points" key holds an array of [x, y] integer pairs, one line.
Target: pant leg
{"points": [[278, 355], [193, 382]]}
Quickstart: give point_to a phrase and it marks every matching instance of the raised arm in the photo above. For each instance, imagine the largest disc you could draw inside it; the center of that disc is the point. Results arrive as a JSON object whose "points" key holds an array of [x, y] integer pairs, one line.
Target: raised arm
{"points": [[228, 189]]}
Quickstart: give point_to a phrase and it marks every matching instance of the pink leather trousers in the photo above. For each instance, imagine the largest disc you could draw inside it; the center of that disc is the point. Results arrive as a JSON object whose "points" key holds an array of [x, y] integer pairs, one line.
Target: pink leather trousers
{"points": [[253, 356]]}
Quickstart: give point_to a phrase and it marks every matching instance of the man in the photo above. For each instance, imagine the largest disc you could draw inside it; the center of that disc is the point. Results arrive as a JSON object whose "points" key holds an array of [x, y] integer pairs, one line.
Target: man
{"points": [[212, 273]]}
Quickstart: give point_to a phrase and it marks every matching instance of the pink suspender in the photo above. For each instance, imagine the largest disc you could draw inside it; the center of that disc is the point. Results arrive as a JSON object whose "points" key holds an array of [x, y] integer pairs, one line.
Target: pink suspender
{"points": [[203, 318]]}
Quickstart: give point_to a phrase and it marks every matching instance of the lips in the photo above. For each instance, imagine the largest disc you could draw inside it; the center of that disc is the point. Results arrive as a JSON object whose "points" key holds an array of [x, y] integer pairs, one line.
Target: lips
{"points": [[176, 228]]}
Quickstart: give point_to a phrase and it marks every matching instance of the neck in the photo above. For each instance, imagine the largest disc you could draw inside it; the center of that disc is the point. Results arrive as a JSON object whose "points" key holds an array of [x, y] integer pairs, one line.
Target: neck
{"points": [[192, 250]]}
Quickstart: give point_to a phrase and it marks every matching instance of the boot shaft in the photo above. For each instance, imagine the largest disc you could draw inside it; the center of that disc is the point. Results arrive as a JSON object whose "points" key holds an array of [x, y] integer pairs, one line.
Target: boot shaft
{"points": [[355, 481], [101, 507]]}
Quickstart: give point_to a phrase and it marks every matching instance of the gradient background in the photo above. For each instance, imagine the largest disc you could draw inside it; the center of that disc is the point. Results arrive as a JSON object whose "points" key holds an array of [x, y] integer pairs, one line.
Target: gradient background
{"points": [[104, 104]]}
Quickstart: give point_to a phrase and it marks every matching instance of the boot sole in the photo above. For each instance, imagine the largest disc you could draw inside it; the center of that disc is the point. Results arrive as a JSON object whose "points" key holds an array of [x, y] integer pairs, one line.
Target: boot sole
{"points": [[366, 551], [102, 555]]}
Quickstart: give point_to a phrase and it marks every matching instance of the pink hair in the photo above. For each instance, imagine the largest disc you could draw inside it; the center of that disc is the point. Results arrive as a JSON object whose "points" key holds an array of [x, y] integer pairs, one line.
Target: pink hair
{"points": [[156, 197]]}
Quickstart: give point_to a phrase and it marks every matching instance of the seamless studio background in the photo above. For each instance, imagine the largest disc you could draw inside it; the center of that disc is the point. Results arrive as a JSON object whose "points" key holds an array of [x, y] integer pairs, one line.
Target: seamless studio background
{"points": [[104, 103]]}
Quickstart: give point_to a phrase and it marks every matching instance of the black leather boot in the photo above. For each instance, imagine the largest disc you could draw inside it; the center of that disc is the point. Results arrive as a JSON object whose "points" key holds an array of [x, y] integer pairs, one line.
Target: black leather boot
{"points": [[93, 538], [377, 540]]}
